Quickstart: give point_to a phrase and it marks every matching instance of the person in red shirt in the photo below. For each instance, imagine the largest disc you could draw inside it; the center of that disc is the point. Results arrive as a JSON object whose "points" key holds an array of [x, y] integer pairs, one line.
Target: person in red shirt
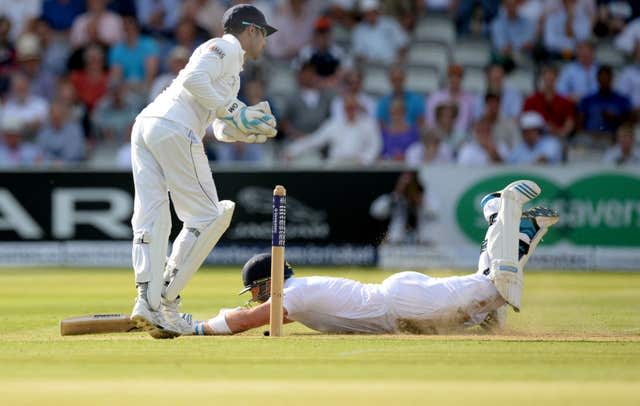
{"points": [[559, 112], [91, 82]]}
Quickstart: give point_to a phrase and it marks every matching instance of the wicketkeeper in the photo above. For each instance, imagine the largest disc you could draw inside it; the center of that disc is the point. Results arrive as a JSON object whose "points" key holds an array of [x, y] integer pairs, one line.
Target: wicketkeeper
{"points": [[169, 161], [408, 301]]}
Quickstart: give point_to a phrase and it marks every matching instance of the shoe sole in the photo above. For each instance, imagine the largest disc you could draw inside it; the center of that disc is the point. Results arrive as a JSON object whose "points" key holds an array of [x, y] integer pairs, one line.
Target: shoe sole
{"points": [[154, 330], [543, 216], [529, 189]]}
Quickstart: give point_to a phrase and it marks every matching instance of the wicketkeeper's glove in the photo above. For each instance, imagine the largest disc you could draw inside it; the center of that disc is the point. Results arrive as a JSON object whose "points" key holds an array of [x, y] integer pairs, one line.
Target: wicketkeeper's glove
{"points": [[228, 133], [254, 120]]}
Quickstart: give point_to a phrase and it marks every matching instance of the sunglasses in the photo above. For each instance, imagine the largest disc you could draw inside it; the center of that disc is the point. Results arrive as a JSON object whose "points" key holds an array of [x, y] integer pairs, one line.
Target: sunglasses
{"points": [[262, 30]]}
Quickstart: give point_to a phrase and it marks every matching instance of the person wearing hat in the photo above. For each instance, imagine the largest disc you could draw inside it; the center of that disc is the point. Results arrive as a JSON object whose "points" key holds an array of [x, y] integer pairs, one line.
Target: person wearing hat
{"points": [[328, 57], [378, 38], [29, 52], [536, 147], [168, 155], [405, 302], [14, 151], [177, 60]]}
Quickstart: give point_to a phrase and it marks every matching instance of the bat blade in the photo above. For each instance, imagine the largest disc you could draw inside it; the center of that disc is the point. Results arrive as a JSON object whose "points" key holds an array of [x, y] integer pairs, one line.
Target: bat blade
{"points": [[97, 324]]}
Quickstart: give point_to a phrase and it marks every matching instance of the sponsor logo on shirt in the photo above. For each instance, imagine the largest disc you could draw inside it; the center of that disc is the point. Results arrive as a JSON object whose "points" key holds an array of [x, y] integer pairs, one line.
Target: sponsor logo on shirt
{"points": [[215, 49]]}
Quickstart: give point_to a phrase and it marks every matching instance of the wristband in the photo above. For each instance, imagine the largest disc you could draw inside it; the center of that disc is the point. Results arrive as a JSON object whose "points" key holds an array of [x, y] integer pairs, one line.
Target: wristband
{"points": [[219, 325]]}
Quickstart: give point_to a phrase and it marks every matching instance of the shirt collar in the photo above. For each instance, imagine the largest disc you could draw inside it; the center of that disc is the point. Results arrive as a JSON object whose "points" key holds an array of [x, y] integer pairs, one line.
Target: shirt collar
{"points": [[232, 39]]}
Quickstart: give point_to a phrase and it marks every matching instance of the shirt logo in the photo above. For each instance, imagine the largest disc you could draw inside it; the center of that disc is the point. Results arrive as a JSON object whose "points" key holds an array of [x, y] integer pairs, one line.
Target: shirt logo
{"points": [[215, 49], [233, 108]]}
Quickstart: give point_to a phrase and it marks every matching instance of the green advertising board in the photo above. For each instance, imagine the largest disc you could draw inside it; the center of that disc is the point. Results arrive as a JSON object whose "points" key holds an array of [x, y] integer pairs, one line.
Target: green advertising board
{"points": [[598, 210]]}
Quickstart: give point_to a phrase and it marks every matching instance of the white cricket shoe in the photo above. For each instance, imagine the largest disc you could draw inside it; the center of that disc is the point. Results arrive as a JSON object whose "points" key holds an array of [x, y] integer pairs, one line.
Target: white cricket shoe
{"points": [[171, 313], [522, 191], [151, 321]]}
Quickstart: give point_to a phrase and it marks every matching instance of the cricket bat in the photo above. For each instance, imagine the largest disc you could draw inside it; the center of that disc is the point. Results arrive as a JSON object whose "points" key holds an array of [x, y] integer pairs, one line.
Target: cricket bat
{"points": [[97, 324]]}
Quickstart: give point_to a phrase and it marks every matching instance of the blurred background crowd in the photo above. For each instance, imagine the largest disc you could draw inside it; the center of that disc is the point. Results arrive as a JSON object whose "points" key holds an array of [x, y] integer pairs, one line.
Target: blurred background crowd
{"points": [[364, 82]]}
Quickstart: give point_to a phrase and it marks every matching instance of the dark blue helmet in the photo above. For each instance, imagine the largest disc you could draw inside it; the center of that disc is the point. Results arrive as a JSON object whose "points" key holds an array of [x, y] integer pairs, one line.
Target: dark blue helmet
{"points": [[257, 272], [238, 17]]}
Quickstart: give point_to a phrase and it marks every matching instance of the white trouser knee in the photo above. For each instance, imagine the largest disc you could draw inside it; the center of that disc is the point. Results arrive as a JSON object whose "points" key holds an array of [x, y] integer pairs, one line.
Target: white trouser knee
{"points": [[149, 254], [191, 248]]}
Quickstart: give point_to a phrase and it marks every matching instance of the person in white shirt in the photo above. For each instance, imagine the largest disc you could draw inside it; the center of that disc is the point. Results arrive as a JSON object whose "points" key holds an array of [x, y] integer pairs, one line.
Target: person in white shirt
{"points": [[24, 107], [352, 139], [352, 82], [624, 152], [378, 38], [482, 149], [406, 302], [430, 149], [628, 39], [167, 155], [628, 80], [536, 147]]}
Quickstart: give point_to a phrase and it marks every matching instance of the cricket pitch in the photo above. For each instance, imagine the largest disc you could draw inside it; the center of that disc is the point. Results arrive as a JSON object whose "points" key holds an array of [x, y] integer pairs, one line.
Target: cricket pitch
{"points": [[576, 341]]}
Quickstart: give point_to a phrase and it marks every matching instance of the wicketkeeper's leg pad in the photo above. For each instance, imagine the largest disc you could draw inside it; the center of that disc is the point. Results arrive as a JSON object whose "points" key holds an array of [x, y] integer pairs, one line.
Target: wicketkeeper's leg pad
{"points": [[191, 248]]}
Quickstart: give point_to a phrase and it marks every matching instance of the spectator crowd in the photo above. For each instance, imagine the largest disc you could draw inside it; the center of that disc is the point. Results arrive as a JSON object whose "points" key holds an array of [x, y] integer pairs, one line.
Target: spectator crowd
{"points": [[75, 73]]}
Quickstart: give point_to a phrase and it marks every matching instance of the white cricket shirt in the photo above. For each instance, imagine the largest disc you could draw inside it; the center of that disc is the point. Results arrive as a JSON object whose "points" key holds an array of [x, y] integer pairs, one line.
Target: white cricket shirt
{"points": [[210, 79], [404, 302]]}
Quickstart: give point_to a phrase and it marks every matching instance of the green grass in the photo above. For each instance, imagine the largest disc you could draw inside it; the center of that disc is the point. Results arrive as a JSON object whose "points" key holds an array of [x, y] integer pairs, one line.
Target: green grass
{"points": [[576, 341]]}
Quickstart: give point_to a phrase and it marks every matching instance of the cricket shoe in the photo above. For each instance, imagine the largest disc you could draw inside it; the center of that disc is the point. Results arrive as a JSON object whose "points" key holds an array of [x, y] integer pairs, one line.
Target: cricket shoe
{"points": [[521, 191], [151, 321], [535, 224], [170, 312], [541, 217]]}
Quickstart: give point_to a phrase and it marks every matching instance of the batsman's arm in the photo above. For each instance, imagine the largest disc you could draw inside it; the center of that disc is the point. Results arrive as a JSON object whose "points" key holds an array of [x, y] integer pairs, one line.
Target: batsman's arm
{"points": [[238, 321]]}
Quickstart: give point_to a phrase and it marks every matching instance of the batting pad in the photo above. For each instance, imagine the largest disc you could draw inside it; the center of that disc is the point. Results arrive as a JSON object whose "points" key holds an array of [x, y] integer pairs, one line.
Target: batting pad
{"points": [[507, 276], [190, 249], [149, 254], [502, 248]]}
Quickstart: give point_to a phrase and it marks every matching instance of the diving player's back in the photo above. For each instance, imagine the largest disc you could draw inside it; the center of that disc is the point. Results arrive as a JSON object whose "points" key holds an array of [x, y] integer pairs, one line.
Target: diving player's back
{"points": [[337, 305]]}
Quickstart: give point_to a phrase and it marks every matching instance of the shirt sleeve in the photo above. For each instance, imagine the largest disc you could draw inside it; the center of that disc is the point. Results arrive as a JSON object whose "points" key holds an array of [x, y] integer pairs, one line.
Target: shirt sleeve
{"points": [[319, 138], [293, 300], [551, 150], [357, 43], [562, 85], [75, 149], [151, 48], [554, 38], [497, 34], [199, 80], [373, 148], [400, 36]]}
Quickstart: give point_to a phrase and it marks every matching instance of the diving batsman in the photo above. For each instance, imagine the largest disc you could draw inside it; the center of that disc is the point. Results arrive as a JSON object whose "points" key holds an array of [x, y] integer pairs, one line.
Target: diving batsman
{"points": [[406, 302]]}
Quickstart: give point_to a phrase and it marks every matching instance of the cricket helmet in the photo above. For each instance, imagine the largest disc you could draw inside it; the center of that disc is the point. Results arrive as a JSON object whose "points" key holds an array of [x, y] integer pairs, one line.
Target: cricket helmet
{"points": [[257, 272], [242, 15]]}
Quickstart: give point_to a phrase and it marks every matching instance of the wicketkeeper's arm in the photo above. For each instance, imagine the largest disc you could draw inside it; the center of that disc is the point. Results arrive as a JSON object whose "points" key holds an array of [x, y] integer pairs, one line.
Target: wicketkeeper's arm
{"points": [[199, 81]]}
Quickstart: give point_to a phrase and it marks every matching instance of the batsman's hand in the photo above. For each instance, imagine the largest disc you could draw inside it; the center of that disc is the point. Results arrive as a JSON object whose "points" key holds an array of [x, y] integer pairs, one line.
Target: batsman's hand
{"points": [[250, 120], [228, 133]]}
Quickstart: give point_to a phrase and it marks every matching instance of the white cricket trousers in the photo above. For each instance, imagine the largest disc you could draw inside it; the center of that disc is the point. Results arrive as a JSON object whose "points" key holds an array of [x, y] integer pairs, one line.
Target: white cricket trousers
{"points": [[168, 160], [423, 304]]}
